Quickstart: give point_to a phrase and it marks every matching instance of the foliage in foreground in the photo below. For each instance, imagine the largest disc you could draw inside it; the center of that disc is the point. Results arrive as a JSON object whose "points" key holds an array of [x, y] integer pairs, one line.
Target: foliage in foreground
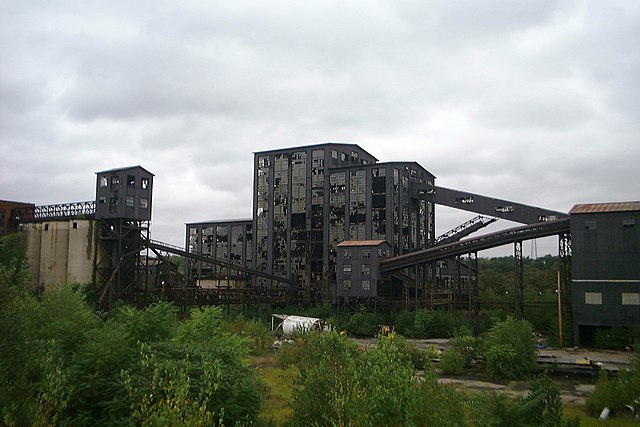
{"points": [[616, 393], [64, 364], [341, 385], [541, 407]]}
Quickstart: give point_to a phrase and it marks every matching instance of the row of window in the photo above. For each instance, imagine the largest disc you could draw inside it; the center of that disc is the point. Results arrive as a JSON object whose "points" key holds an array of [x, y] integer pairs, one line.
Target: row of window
{"points": [[591, 224], [626, 298], [131, 181], [365, 285], [366, 268], [129, 201], [366, 254]]}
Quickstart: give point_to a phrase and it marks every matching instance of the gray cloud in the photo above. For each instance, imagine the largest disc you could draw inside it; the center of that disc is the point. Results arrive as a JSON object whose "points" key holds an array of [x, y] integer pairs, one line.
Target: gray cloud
{"points": [[530, 100]]}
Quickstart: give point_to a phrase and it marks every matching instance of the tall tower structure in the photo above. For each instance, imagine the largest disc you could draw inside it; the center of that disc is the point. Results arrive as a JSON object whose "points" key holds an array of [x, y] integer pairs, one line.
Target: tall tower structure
{"points": [[309, 199], [123, 212]]}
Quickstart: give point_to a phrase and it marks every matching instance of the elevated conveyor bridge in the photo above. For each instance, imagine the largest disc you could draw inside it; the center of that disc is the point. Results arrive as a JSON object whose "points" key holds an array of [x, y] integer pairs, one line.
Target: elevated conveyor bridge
{"points": [[487, 241], [281, 290]]}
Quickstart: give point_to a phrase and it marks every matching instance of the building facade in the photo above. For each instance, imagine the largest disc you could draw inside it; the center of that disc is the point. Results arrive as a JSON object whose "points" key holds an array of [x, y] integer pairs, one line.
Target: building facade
{"points": [[231, 241], [308, 199], [358, 270], [605, 267]]}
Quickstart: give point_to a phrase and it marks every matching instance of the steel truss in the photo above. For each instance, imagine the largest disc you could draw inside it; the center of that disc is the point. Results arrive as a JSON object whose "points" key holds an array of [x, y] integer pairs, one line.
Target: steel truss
{"points": [[121, 269]]}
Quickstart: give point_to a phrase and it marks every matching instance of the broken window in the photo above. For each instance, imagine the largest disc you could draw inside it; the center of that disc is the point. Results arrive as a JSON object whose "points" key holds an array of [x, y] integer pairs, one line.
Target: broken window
{"points": [[366, 269], [347, 254], [628, 222], [131, 181], [102, 199], [366, 254], [346, 284], [144, 203], [144, 183], [103, 181], [115, 181], [590, 224]]}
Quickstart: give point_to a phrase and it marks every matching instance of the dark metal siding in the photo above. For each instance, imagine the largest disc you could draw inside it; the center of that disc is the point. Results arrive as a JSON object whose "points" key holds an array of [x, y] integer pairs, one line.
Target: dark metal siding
{"points": [[124, 193], [605, 265]]}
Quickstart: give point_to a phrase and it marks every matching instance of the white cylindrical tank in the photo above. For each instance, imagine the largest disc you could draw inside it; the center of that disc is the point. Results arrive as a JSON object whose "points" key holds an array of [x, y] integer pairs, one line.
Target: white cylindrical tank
{"points": [[300, 324]]}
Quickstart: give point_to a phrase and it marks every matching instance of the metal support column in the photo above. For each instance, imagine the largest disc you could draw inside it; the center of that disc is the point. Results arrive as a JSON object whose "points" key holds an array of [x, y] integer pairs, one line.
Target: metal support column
{"points": [[518, 280], [564, 252], [474, 304]]}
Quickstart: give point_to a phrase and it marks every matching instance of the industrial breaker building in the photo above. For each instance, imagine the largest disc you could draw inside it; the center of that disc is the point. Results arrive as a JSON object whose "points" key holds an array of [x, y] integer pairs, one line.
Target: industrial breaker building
{"points": [[306, 201]]}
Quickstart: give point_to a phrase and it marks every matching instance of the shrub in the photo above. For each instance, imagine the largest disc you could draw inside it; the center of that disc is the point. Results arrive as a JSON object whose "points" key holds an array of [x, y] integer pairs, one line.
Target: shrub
{"points": [[432, 324], [541, 407], [616, 338], [340, 385], [257, 332], [462, 351], [617, 392], [403, 323], [452, 361], [501, 361], [364, 324], [510, 351]]}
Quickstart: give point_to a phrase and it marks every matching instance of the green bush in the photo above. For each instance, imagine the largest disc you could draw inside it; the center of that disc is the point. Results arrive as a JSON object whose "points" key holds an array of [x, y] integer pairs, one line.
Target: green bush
{"points": [[63, 364], [541, 407], [340, 385], [432, 324], [616, 393], [364, 323], [616, 338], [510, 351], [453, 362], [257, 332], [403, 323], [462, 351]]}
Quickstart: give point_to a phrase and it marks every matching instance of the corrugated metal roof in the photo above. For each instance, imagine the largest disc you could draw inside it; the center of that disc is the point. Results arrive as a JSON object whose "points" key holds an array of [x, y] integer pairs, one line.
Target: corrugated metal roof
{"points": [[362, 243], [605, 207]]}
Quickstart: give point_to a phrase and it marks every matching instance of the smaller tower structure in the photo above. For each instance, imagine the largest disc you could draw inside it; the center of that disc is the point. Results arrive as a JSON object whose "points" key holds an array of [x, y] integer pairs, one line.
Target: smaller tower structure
{"points": [[123, 212], [124, 193]]}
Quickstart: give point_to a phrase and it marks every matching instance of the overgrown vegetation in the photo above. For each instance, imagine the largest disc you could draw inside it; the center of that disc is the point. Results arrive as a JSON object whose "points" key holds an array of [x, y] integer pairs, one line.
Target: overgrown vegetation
{"points": [[64, 363], [509, 350], [617, 393]]}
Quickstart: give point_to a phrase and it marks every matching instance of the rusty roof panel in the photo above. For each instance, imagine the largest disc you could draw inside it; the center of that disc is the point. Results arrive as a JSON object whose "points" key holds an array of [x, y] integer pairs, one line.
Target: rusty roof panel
{"points": [[605, 207], [361, 243]]}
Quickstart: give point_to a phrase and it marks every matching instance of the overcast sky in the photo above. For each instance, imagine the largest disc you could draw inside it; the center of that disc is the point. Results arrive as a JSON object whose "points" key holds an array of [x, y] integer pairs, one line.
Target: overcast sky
{"points": [[532, 101]]}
